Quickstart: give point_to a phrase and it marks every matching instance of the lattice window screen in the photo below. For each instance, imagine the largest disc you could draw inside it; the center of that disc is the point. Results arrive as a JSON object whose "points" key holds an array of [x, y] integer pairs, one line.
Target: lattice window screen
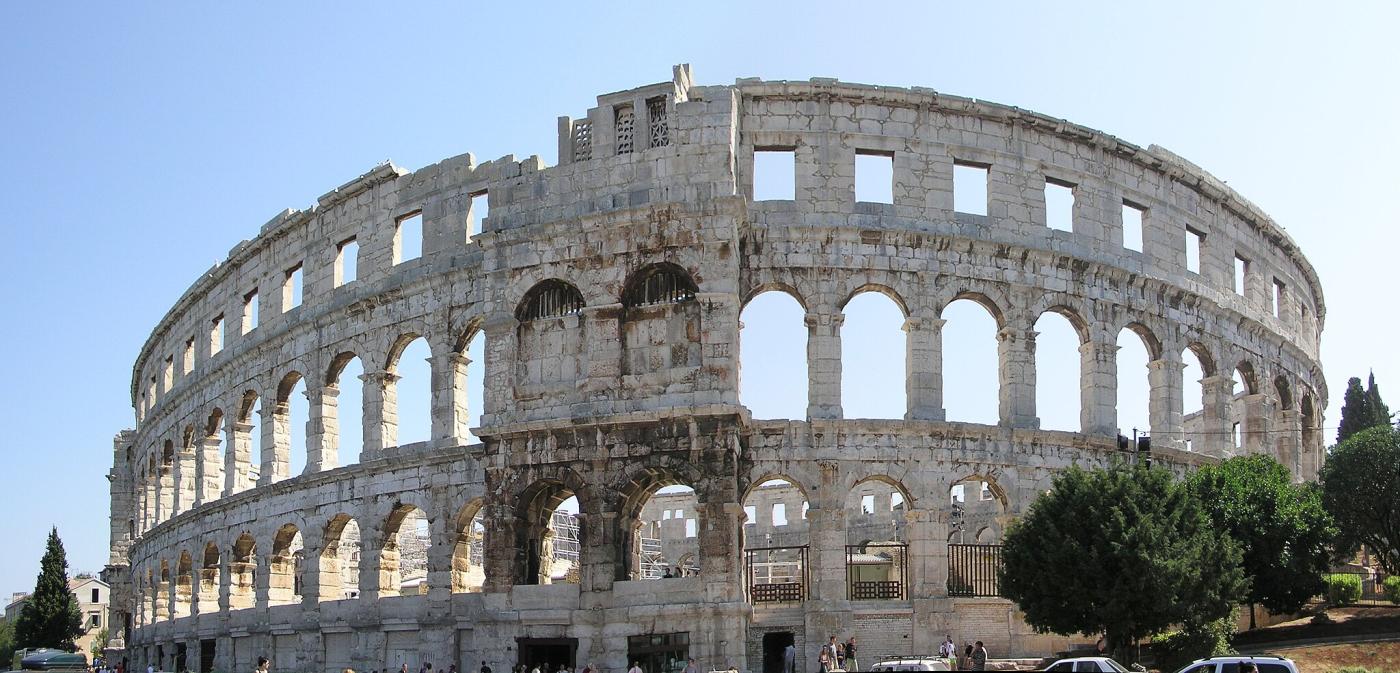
{"points": [[625, 122], [583, 141], [656, 112]]}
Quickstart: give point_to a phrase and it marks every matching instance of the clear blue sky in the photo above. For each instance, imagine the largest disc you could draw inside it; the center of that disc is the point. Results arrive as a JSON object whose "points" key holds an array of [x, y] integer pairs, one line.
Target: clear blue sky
{"points": [[141, 141]]}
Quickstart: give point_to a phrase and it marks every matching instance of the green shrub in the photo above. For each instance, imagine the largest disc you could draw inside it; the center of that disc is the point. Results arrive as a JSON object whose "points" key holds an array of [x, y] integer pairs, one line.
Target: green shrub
{"points": [[1391, 586], [1175, 649], [1343, 589]]}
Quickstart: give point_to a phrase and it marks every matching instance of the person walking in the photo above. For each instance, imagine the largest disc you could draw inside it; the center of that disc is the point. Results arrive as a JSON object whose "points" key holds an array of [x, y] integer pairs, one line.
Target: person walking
{"points": [[263, 665], [966, 663], [484, 667], [979, 657], [824, 661], [636, 667], [850, 664], [691, 666], [790, 659], [833, 652]]}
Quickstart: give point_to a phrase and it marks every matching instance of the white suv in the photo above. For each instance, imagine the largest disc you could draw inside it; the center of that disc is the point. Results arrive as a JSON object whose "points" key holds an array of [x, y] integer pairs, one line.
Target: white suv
{"points": [[1265, 664]]}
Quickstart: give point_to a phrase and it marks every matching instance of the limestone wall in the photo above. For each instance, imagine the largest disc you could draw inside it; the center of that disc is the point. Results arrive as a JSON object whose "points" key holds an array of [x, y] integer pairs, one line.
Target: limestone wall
{"points": [[608, 290]]}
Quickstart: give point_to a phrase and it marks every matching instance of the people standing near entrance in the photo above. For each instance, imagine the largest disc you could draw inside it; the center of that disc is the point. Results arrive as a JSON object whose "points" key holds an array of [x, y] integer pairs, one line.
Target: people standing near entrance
{"points": [[636, 667], [833, 653], [850, 663], [263, 665], [824, 661], [979, 657], [151, 668], [484, 667], [790, 659], [966, 663], [691, 666]]}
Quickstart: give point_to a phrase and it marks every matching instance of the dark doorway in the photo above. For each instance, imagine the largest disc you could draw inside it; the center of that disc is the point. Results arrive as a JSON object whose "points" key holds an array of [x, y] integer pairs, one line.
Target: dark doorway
{"points": [[181, 663], [659, 652], [546, 653], [206, 656], [774, 644]]}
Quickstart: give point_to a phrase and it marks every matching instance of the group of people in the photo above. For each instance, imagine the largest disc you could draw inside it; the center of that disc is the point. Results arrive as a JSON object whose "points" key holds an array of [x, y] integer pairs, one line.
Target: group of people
{"points": [[972, 658], [833, 656]]}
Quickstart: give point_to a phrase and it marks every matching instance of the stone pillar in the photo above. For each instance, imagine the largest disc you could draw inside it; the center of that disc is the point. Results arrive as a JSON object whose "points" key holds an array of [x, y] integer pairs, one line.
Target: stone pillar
{"points": [[927, 559], [1016, 369], [449, 404], [380, 414], [322, 428], [186, 477], [498, 548], [209, 471], [1287, 433], [923, 366], [501, 334], [1164, 399], [310, 570], [262, 583], [1258, 411], [165, 492], [824, 364], [275, 454], [1098, 397], [373, 575], [1217, 418]]}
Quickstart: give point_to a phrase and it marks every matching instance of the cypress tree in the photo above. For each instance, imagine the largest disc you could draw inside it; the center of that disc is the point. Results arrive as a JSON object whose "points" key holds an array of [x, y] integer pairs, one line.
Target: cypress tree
{"points": [[1380, 413], [1356, 413], [50, 618]]}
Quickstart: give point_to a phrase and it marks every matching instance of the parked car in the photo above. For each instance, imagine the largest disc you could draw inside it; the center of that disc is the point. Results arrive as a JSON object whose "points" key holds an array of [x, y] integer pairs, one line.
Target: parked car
{"points": [[918, 663], [1231, 664], [1087, 665]]}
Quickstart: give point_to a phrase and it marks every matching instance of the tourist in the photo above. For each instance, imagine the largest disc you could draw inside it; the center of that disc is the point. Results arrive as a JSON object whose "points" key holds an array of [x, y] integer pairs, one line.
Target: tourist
{"points": [[263, 665], [150, 668], [947, 650], [1248, 667], [666, 574], [733, 668], [979, 657], [636, 667], [966, 663], [690, 667], [850, 663], [833, 653], [484, 667], [790, 659], [824, 661]]}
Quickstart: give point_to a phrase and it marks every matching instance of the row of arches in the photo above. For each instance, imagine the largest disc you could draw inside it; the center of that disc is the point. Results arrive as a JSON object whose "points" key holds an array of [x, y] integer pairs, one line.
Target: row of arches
{"points": [[409, 551]]}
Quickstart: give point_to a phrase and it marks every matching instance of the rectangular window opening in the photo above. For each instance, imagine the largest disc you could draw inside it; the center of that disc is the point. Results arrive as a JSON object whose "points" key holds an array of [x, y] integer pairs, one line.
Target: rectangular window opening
{"points": [[187, 358], [1235, 434], [780, 514], [216, 335], [679, 514], [874, 177], [408, 237], [1059, 205], [167, 375], [1194, 239], [1241, 273], [986, 493], [970, 188], [291, 289], [804, 510], [692, 528], [1133, 218], [347, 262], [958, 493], [476, 213], [1280, 294], [867, 504], [665, 515], [774, 174], [250, 311], [95, 595], [750, 515]]}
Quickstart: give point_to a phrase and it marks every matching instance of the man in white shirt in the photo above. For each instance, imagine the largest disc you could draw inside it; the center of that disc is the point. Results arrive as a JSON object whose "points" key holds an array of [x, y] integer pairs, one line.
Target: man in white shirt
{"points": [[636, 667]]}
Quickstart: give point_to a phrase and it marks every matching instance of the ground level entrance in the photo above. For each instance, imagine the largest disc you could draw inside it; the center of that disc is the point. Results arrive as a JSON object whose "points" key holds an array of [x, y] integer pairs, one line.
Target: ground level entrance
{"points": [[774, 646], [549, 654], [659, 652]]}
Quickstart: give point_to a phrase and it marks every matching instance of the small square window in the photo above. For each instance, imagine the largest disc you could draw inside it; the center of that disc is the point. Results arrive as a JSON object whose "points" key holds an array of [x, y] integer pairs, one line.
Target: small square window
{"points": [[187, 357], [250, 311], [291, 289], [867, 504], [691, 528], [874, 177], [970, 188], [408, 237], [477, 211], [1059, 205], [1134, 216], [216, 335], [665, 515], [774, 174], [780, 514], [347, 262], [1194, 239], [1280, 296], [1241, 274], [750, 515]]}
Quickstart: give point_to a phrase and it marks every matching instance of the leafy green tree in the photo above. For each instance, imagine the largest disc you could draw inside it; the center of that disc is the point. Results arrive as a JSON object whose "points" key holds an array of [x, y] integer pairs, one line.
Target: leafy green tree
{"points": [[1127, 551], [1362, 408], [7, 641], [99, 643], [50, 618], [1282, 529], [1361, 488]]}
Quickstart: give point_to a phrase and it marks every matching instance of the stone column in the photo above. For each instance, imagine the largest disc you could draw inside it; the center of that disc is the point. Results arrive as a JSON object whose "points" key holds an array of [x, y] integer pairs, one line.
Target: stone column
{"points": [[1258, 410], [372, 574], [449, 404], [502, 334], [1016, 369], [276, 454], [186, 478], [322, 428], [923, 366], [927, 559], [498, 548], [209, 470], [1217, 422], [1098, 397], [380, 414], [1164, 399], [1287, 433], [824, 364], [165, 492], [262, 583]]}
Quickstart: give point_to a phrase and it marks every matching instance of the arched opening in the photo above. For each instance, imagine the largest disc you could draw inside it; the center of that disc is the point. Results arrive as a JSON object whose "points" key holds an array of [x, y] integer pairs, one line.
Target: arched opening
{"points": [[659, 525], [184, 584], [977, 516], [775, 541], [284, 567], [242, 572], [548, 536], [293, 410], [468, 550], [475, 393], [162, 610], [247, 459], [186, 472], [773, 356], [212, 459], [1134, 389], [344, 421], [551, 336], [339, 562], [1311, 449], [1193, 374], [408, 399], [661, 324], [209, 579], [1244, 386], [1284, 442], [971, 373], [165, 486], [403, 558], [1057, 372], [876, 540], [873, 357]]}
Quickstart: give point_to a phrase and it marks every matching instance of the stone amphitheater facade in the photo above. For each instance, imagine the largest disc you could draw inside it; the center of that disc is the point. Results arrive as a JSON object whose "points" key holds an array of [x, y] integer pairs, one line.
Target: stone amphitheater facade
{"points": [[608, 290]]}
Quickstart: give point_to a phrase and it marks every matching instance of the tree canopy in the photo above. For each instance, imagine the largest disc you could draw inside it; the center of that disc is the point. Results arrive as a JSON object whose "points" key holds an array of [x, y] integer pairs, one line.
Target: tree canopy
{"points": [[50, 617], [1361, 489], [1127, 551], [1282, 529], [1361, 409]]}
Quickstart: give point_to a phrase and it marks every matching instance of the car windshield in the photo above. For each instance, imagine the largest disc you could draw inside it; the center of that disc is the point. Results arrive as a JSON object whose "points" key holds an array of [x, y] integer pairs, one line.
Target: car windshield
{"points": [[1116, 666]]}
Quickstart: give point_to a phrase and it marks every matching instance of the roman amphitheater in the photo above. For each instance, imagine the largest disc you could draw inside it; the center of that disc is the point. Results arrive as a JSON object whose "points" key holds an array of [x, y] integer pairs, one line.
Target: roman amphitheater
{"points": [[618, 499]]}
